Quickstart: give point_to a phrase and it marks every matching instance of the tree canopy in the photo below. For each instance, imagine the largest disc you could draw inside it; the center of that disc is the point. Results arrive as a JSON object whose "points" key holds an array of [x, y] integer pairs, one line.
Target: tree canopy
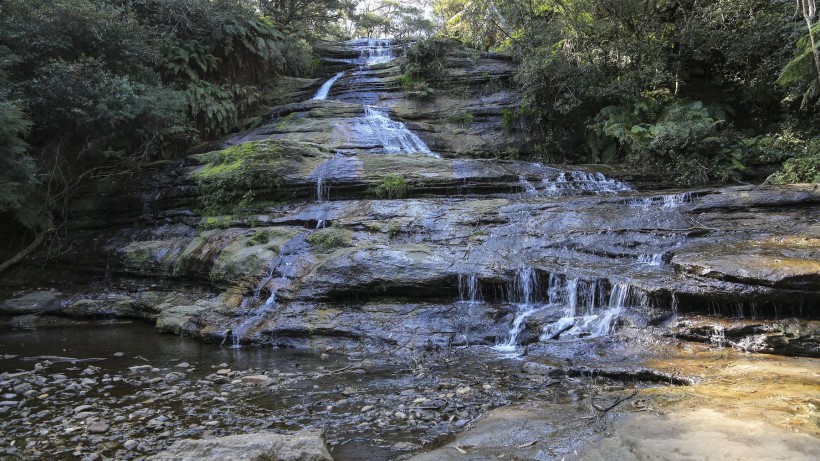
{"points": [[695, 88]]}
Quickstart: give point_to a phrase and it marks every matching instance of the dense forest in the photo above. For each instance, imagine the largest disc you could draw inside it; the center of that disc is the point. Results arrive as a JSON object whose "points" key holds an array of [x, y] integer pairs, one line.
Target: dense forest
{"points": [[700, 90]]}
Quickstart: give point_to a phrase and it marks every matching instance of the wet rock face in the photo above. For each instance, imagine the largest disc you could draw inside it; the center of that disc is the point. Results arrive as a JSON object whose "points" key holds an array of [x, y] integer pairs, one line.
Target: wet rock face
{"points": [[786, 337], [301, 446], [310, 229], [778, 262]]}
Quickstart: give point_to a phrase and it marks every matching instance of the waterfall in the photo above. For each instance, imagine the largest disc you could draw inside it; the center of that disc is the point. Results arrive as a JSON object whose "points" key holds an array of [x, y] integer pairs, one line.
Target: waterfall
{"points": [[259, 312], [522, 294], [393, 136], [655, 259], [325, 89], [469, 290], [527, 186], [373, 50], [664, 202], [586, 310], [581, 182], [321, 191]]}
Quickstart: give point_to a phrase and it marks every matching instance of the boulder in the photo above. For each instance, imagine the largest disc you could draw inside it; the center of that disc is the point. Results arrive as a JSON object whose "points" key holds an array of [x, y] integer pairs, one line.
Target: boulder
{"points": [[264, 446], [38, 302]]}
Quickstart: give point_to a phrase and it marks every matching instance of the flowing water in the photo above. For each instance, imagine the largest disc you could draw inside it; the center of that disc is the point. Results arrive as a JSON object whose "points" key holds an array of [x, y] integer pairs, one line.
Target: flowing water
{"points": [[325, 88]]}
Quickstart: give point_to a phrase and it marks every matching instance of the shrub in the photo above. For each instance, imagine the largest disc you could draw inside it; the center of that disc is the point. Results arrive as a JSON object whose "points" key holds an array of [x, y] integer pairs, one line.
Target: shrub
{"points": [[465, 119], [392, 187], [330, 238]]}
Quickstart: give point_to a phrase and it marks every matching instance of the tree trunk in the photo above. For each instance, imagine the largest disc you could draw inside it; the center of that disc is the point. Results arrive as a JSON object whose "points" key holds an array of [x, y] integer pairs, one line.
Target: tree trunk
{"points": [[809, 11], [38, 240]]}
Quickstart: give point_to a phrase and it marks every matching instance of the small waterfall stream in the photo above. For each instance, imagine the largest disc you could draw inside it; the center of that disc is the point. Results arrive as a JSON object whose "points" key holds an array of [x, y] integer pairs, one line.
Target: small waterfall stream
{"points": [[325, 89], [392, 135], [523, 293], [258, 311]]}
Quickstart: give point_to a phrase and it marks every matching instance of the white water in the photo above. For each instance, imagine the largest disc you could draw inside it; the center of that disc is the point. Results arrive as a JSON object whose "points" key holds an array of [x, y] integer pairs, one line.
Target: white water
{"points": [[258, 312], [664, 202], [522, 294], [393, 136], [527, 186], [580, 182], [325, 89], [469, 290], [373, 51], [655, 259]]}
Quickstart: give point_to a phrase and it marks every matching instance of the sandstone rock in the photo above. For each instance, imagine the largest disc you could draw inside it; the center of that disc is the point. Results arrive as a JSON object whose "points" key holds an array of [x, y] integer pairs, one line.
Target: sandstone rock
{"points": [[301, 446], [173, 320]]}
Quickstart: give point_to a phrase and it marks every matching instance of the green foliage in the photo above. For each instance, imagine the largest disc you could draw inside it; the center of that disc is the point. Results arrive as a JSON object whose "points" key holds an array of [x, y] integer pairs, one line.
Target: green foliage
{"points": [[804, 167], [425, 59], [215, 222], [615, 80], [510, 153], [801, 73], [260, 237], [390, 18], [415, 88], [330, 238], [98, 87], [675, 137], [392, 187], [231, 178], [465, 119]]}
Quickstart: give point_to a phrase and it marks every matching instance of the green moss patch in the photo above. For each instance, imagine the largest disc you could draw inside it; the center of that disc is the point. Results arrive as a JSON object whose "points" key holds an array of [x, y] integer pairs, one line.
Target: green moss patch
{"points": [[330, 238], [232, 178]]}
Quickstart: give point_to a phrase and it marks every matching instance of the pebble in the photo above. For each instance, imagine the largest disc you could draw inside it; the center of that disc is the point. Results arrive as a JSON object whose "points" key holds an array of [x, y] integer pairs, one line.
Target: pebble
{"points": [[22, 387], [256, 379], [349, 391], [141, 368], [98, 427], [130, 444], [366, 408], [118, 354], [400, 415], [173, 377], [183, 365]]}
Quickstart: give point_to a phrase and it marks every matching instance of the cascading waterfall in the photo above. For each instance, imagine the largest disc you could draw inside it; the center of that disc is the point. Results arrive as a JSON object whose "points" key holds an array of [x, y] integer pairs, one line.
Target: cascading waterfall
{"points": [[325, 89], [378, 51], [393, 136], [527, 186], [655, 259], [664, 202], [469, 290], [469, 294], [581, 182], [259, 312], [586, 309], [523, 293]]}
